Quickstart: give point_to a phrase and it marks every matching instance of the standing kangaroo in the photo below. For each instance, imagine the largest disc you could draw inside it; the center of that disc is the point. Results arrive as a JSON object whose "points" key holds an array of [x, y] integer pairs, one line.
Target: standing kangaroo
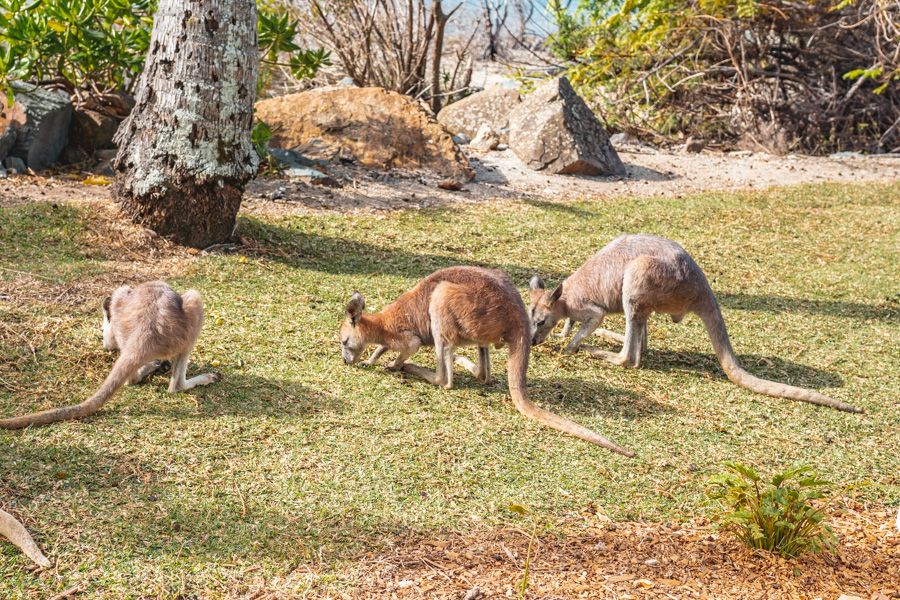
{"points": [[146, 323], [454, 307], [640, 275]]}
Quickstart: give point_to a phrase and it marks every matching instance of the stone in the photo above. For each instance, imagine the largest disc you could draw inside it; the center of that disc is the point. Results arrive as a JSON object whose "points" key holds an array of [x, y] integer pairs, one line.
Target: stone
{"points": [[694, 145], [45, 131], [451, 185], [485, 140], [91, 130], [461, 139], [553, 130], [296, 166], [376, 127], [2, 172], [491, 106], [473, 594], [14, 164]]}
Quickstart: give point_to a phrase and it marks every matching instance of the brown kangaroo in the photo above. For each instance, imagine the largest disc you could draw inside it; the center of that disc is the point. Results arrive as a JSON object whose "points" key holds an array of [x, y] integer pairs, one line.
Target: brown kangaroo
{"points": [[146, 323], [454, 307], [639, 275], [12, 530]]}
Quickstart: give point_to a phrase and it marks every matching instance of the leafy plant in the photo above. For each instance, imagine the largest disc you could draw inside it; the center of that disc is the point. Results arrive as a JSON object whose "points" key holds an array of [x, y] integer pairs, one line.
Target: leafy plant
{"points": [[96, 47], [523, 583], [778, 515]]}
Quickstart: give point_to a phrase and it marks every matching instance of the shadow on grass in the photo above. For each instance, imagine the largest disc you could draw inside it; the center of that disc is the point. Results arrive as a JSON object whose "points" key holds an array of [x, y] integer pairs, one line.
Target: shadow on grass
{"points": [[578, 396], [888, 311], [766, 367], [342, 256], [239, 394]]}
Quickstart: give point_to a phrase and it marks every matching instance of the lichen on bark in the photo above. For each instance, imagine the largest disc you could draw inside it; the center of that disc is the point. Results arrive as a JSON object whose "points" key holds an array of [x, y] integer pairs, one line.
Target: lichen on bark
{"points": [[185, 151]]}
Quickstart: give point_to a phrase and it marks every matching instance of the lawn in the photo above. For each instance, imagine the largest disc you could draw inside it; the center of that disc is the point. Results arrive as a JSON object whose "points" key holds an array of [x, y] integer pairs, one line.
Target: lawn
{"points": [[297, 464]]}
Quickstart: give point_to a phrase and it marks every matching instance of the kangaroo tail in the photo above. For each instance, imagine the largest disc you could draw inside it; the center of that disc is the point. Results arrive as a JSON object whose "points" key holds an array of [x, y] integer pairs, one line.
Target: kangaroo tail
{"points": [[12, 530], [517, 370], [715, 327], [121, 371]]}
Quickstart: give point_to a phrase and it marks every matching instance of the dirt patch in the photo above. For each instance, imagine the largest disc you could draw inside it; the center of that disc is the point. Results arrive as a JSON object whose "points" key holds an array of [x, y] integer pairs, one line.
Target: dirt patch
{"points": [[638, 560]]}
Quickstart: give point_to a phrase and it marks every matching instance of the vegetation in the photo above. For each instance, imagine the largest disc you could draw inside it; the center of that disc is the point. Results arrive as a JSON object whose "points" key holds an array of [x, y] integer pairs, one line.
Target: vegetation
{"points": [[294, 465], [93, 48], [819, 76], [778, 516]]}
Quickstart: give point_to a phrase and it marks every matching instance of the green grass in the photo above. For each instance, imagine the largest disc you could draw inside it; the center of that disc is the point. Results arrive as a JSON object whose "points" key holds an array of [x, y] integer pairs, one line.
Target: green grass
{"points": [[296, 461]]}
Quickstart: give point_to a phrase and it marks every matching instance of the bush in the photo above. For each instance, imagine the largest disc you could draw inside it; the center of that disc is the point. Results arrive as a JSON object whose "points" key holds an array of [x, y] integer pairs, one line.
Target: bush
{"points": [[817, 76], [97, 47], [777, 516]]}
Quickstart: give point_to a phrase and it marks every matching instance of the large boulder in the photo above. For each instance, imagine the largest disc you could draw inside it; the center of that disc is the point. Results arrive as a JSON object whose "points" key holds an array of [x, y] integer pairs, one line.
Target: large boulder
{"points": [[379, 128], [553, 130], [92, 130], [45, 130], [489, 107], [11, 120]]}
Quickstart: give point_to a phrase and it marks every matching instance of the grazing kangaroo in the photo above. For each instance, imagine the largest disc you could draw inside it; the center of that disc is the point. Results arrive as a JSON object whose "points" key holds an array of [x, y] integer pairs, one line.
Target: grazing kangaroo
{"points": [[640, 275], [146, 323], [12, 530], [454, 307]]}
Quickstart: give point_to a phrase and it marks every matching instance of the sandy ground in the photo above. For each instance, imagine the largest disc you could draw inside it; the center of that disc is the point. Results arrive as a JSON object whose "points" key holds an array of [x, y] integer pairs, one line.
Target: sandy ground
{"points": [[500, 174]]}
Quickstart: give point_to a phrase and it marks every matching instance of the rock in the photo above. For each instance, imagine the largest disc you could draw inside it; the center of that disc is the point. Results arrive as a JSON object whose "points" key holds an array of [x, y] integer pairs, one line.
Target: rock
{"points": [[376, 127], [694, 145], [473, 594], [14, 165], [45, 131], [2, 172], [485, 140], [491, 106], [452, 185], [553, 130], [461, 139], [296, 166], [91, 130]]}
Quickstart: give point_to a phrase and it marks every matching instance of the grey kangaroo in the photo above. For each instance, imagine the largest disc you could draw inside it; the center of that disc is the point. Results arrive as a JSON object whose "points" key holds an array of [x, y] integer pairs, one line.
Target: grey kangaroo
{"points": [[639, 275]]}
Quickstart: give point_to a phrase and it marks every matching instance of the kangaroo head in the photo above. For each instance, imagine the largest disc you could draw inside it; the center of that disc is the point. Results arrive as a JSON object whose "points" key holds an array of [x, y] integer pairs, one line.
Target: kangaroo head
{"points": [[353, 341], [545, 310]]}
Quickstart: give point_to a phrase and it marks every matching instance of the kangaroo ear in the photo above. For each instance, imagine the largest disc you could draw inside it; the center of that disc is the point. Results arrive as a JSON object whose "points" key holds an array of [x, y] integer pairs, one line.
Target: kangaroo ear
{"points": [[536, 283], [355, 307], [107, 302], [556, 294]]}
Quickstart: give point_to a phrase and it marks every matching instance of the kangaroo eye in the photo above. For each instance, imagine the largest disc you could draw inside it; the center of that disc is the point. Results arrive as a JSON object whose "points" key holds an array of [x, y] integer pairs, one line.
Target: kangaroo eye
{"points": [[541, 322], [344, 341]]}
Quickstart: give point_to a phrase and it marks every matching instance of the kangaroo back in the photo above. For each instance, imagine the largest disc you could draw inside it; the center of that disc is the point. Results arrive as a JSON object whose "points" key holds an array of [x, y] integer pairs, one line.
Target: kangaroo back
{"points": [[711, 315], [517, 369]]}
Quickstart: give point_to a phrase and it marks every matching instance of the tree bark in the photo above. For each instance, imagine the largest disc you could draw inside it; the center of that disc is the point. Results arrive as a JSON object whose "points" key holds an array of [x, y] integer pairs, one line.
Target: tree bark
{"points": [[185, 151]]}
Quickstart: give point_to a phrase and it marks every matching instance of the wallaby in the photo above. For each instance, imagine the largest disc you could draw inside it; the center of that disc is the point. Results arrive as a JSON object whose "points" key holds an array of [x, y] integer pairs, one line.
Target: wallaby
{"points": [[146, 324], [454, 307], [640, 275], [12, 530]]}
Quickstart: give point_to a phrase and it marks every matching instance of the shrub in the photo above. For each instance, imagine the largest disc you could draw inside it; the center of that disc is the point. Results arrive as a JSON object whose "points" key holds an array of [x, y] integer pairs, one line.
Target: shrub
{"points": [[817, 76], [97, 47], [777, 516]]}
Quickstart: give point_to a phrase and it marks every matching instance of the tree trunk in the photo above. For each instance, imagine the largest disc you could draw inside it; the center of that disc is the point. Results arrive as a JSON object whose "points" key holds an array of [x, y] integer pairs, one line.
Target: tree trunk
{"points": [[185, 151]]}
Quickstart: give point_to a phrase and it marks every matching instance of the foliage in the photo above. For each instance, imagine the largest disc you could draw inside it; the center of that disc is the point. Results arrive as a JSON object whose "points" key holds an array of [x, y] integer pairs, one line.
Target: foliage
{"points": [[816, 76], [96, 47], [777, 516]]}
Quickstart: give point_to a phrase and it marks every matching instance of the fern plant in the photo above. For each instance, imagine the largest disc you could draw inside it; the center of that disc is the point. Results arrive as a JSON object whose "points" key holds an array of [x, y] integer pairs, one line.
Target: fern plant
{"points": [[777, 515]]}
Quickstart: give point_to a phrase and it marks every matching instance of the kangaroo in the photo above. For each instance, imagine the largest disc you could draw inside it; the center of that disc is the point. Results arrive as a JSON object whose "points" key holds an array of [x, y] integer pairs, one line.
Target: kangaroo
{"points": [[640, 275], [12, 530], [453, 307], [146, 323]]}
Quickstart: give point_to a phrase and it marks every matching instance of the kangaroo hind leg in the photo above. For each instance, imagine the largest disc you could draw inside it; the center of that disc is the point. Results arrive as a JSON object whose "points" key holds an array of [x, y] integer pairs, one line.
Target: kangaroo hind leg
{"points": [[178, 381]]}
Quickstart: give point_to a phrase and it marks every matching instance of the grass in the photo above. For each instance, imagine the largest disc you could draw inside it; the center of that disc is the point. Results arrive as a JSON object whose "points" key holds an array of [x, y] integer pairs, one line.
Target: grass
{"points": [[297, 464]]}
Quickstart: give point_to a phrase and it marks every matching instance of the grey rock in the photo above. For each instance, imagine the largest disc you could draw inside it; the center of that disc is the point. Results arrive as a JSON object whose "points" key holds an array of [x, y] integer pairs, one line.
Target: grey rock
{"points": [[473, 594], [91, 130], [694, 145], [485, 140], [461, 139], [2, 172], [491, 106], [14, 165], [296, 166], [553, 130], [46, 129]]}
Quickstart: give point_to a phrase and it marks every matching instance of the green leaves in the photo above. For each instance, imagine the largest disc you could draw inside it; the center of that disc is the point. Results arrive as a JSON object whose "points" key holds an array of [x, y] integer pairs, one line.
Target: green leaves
{"points": [[778, 516], [277, 31]]}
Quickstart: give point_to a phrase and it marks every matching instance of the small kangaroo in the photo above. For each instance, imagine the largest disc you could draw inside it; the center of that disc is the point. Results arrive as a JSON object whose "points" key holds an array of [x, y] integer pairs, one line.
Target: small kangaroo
{"points": [[12, 530], [639, 275], [453, 307], [146, 324]]}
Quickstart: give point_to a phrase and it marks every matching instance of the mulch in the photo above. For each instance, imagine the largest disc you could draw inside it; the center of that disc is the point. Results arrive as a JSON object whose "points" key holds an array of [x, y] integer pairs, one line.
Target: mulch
{"points": [[639, 560]]}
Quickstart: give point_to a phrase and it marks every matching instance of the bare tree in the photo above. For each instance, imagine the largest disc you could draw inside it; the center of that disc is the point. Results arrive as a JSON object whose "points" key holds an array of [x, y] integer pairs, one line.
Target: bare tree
{"points": [[185, 151]]}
